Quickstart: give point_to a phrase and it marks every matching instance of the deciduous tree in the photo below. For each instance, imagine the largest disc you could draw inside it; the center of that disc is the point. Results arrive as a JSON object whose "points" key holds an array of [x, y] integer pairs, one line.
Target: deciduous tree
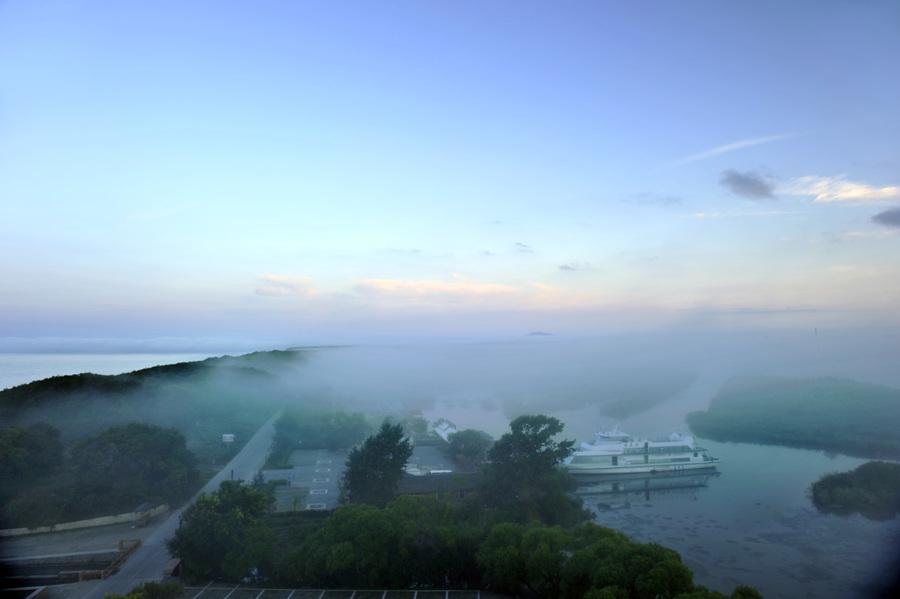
{"points": [[522, 477], [222, 535], [375, 467]]}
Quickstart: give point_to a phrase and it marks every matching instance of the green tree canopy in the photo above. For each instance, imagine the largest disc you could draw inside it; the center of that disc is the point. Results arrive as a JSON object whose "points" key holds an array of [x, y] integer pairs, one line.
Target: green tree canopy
{"points": [[375, 467], [223, 535], [470, 446], [872, 489], [26, 452], [522, 477], [127, 465], [413, 541], [586, 561]]}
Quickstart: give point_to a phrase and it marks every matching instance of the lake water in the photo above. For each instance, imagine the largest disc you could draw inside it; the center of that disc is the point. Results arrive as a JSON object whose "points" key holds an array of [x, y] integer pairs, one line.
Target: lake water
{"points": [[752, 522]]}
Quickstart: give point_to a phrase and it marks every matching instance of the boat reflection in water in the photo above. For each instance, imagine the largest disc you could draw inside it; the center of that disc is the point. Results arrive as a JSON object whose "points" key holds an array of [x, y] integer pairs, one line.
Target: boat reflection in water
{"points": [[617, 492]]}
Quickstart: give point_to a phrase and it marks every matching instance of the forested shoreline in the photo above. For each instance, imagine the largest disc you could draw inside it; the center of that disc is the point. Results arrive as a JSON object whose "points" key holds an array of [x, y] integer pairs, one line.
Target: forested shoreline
{"points": [[838, 415], [521, 534]]}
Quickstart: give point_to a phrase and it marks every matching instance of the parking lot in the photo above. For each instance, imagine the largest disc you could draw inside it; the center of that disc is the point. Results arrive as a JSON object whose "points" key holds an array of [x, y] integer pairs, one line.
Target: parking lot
{"points": [[226, 592], [313, 480]]}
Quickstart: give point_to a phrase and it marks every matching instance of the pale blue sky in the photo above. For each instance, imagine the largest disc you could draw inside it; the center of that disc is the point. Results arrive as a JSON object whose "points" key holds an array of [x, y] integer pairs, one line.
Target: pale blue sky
{"points": [[293, 170]]}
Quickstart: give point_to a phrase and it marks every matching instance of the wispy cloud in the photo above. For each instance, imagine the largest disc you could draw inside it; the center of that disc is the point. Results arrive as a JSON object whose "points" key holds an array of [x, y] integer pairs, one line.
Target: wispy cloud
{"points": [[838, 189], [747, 185], [576, 266], [285, 286], [523, 248], [866, 235], [888, 218], [426, 290], [741, 214], [730, 147], [647, 198], [459, 293]]}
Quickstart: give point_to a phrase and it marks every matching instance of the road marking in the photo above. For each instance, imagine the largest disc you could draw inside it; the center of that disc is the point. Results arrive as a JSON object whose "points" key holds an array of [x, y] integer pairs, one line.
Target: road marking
{"points": [[230, 592], [264, 590], [323, 469], [314, 506], [323, 462], [203, 589], [319, 492], [321, 480]]}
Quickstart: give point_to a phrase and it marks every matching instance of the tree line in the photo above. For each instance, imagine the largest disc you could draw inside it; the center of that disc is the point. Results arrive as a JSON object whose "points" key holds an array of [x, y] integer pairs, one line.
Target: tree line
{"points": [[523, 533], [872, 489], [111, 472]]}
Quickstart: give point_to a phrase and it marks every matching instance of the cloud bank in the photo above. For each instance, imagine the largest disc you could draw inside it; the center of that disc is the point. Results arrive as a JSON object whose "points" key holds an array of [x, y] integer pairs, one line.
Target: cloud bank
{"points": [[838, 189]]}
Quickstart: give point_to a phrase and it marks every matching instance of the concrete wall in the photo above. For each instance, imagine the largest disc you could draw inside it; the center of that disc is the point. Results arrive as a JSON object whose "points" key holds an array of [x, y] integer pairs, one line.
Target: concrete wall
{"points": [[91, 523]]}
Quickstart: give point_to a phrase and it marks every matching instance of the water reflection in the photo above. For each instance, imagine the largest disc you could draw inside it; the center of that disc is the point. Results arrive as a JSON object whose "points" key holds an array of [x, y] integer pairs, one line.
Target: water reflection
{"points": [[619, 491]]}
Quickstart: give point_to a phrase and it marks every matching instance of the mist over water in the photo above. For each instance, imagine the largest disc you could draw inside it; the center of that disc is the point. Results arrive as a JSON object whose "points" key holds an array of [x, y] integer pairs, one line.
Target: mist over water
{"points": [[751, 523], [651, 379]]}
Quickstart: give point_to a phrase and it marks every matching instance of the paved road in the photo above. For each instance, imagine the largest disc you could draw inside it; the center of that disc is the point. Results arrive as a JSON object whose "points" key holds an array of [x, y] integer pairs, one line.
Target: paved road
{"points": [[150, 559]]}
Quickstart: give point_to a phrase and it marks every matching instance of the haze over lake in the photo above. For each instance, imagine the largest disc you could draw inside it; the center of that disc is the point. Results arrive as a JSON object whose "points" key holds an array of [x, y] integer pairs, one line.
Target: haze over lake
{"points": [[752, 521]]}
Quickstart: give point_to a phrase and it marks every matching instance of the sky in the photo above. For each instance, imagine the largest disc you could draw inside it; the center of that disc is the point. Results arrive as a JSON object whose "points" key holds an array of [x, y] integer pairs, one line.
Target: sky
{"points": [[332, 171]]}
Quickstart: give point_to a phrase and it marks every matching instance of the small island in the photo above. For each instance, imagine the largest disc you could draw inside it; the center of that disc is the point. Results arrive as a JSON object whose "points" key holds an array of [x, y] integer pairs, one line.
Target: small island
{"points": [[872, 489]]}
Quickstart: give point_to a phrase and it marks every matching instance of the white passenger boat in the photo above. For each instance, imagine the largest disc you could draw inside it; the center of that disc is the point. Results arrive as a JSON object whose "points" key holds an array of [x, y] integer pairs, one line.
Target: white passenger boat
{"points": [[615, 452]]}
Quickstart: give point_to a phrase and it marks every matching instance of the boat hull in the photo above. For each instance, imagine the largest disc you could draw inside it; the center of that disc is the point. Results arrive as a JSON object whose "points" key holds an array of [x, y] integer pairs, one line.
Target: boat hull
{"points": [[594, 470]]}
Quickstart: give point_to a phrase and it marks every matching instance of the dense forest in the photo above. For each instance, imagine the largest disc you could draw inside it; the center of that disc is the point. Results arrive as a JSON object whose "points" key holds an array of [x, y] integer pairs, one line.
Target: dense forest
{"points": [[836, 415], [108, 473], [71, 446]]}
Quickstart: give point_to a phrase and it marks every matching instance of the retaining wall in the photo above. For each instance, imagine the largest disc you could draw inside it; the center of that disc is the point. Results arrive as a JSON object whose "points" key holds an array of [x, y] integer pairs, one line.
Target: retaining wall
{"points": [[91, 523]]}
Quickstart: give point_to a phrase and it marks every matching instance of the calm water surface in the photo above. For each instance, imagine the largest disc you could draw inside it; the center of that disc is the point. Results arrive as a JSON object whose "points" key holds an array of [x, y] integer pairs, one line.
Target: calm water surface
{"points": [[752, 522]]}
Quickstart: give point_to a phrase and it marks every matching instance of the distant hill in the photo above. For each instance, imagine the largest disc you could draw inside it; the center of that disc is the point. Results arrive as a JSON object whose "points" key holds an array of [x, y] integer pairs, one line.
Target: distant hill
{"points": [[39, 393], [203, 399], [831, 414]]}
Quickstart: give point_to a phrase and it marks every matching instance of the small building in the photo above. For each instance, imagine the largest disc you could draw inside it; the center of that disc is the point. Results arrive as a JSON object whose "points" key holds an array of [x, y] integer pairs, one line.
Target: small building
{"points": [[443, 428]]}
